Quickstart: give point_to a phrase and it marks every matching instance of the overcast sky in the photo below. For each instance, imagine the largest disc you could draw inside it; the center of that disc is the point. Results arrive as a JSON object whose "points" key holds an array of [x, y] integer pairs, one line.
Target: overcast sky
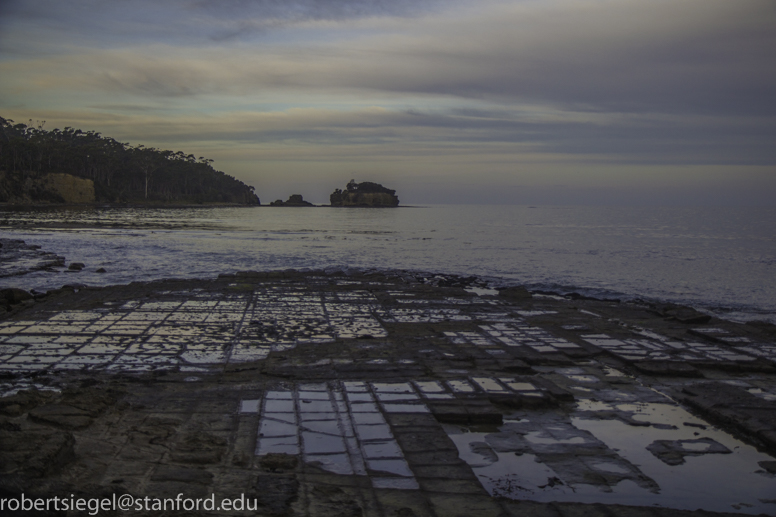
{"points": [[495, 101]]}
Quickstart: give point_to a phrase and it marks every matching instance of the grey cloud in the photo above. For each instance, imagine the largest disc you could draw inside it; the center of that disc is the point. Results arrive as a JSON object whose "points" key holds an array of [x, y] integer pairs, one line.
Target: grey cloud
{"points": [[713, 58], [311, 9], [641, 82], [131, 108], [119, 22], [636, 141], [244, 18], [709, 57]]}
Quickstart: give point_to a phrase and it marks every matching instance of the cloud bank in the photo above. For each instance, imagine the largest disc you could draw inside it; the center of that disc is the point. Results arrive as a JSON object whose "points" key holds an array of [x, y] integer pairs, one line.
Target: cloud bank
{"points": [[508, 87]]}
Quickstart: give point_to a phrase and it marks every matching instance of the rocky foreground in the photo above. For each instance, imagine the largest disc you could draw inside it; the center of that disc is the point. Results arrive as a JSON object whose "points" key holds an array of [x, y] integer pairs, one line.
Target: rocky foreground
{"points": [[388, 395]]}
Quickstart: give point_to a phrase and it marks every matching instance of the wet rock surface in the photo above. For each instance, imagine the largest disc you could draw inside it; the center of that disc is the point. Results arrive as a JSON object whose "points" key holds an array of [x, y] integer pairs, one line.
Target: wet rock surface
{"points": [[674, 452], [332, 394], [19, 258]]}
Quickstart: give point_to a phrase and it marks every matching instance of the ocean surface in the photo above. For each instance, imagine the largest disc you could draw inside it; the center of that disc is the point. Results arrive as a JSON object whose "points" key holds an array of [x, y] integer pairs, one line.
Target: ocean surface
{"points": [[718, 260]]}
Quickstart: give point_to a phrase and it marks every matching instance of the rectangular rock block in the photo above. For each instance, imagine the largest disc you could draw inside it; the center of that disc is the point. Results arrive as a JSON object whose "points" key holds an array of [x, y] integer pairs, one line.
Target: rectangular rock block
{"points": [[446, 458], [484, 415]]}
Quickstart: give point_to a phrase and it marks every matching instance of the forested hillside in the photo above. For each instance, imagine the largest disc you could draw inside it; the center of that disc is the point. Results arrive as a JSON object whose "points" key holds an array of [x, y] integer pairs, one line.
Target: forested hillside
{"points": [[120, 172]]}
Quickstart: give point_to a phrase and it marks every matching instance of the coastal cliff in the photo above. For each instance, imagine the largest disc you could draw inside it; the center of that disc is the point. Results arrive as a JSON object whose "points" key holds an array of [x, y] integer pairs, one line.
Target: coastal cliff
{"points": [[365, 194], [32, 187], [71, 188]]}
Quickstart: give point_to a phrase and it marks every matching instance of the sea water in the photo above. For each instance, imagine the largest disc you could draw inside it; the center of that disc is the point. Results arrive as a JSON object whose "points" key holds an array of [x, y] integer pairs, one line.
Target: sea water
{"points": [[718, 260]]}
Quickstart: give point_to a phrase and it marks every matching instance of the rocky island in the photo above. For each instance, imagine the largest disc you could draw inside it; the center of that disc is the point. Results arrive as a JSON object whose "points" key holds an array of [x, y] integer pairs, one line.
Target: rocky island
{"points": [[293, 200], [365, 194]]}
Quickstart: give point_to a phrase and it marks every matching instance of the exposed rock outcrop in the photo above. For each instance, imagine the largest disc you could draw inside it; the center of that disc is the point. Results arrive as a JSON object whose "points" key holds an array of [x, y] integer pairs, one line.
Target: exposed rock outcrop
{"points": [[293, 200], [365, 194], [71, 188], [33, 187], [20, 258]]}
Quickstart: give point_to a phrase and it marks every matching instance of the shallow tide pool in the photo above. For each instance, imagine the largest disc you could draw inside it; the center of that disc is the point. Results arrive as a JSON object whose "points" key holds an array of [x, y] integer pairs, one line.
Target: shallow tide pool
{"points": [[667, 457]]}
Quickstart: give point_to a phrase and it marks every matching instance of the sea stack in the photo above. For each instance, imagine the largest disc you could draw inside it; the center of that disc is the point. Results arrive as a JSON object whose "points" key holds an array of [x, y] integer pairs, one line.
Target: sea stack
{"points": [[365, 194]]}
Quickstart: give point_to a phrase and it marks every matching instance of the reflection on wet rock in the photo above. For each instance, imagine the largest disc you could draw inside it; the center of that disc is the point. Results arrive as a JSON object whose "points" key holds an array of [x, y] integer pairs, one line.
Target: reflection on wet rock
{"points": [[384, 395]]}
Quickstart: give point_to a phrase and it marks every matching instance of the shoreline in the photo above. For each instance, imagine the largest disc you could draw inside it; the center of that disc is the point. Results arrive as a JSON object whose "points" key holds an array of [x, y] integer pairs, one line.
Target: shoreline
{"points": [[471, 284], [35, 206], [753, 315]]}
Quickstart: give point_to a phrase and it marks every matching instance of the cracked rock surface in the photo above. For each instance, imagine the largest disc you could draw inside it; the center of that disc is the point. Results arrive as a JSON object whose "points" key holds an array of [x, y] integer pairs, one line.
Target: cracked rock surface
{"points": [[324, 394]]}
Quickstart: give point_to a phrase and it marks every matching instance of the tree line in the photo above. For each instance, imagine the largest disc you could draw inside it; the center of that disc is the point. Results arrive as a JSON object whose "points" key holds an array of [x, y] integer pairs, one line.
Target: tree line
{"points": [[121, 172]]}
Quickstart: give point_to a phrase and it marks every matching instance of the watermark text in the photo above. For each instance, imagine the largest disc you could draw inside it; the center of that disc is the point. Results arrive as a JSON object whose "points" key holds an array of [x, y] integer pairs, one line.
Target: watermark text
{"points": [[126, 503]]}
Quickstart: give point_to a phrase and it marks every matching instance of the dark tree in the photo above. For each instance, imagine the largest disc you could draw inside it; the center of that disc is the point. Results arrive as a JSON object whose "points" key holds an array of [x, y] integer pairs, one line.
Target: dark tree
{"points": [[121, 172]]}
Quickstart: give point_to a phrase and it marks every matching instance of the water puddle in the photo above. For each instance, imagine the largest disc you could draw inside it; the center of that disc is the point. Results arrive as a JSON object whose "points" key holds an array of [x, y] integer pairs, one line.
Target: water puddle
{"points": [[645, 454], [489, 385], [207, 329], [663, 349], [522, 334], [482, 291], [421, 315], [339, 429], [529, 314], [249, 405]]}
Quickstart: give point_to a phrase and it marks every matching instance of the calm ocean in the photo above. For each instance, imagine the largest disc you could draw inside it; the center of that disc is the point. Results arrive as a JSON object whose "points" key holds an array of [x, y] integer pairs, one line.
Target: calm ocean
{"points": [[720, 260]]}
